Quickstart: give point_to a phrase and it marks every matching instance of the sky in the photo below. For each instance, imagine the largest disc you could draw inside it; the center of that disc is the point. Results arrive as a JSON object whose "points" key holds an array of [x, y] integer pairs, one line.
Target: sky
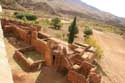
{"points": [[116, 7]]}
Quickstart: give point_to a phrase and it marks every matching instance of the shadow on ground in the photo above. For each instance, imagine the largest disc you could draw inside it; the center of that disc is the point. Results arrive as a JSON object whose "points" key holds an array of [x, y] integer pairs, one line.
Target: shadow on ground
{"points": [[49, 75]]}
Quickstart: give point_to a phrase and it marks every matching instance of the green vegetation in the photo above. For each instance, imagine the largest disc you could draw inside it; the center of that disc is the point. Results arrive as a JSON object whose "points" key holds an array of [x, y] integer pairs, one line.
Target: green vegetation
{"points": [[108, 28], [102, 27], [61, 35], [73, 29], [28, 16], [91, 41], [88, 31], [43, 23], [56, 23], [31, 19]]}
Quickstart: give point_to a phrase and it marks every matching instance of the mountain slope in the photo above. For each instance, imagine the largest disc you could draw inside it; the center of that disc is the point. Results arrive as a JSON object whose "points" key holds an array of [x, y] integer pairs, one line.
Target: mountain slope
{"points": [[76, 7], [73, 8], [11, 4]]}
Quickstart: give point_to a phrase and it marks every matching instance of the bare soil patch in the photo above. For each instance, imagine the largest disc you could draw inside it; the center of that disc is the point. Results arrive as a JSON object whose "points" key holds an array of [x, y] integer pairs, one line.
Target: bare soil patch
{"points": [[114, 56]]}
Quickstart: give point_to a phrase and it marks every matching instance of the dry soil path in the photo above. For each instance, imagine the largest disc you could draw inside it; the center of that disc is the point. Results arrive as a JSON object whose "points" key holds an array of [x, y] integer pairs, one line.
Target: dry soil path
{"points": [[113, 62]]}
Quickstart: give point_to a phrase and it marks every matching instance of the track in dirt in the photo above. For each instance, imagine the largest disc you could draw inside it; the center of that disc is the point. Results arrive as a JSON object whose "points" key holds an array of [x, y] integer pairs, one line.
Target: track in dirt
{"points": [[114, 56]]}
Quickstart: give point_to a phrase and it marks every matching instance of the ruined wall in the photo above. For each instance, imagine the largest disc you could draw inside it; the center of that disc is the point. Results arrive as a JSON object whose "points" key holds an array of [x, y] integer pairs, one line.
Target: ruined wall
{"points": [[19, 57], [42, 47], [63, 58], [85, 68], [17, 30], [86, 74], [23, 25], [24, 32], [23, 35], [29, 66], [75, 77]]}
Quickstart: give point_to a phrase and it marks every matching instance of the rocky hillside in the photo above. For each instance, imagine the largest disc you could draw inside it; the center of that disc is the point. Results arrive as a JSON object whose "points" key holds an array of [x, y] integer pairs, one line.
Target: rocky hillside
{"points": [[68, 7]]}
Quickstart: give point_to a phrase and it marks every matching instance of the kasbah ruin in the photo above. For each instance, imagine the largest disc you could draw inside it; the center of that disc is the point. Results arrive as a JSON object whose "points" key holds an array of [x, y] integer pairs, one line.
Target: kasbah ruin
{"points": [[76, 59]]}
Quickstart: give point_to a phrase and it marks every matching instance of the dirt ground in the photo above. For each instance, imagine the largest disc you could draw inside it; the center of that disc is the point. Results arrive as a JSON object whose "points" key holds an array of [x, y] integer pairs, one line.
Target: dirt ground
{"points": [[49, 75], [113, 62]]}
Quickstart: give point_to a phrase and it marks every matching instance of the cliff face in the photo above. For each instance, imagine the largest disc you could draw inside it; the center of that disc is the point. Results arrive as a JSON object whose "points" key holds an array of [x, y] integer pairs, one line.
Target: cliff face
{"points": [[66, 7]]}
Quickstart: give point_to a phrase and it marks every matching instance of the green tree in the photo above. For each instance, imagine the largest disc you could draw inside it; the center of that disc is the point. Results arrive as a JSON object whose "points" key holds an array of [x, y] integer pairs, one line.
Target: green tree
{"points": [[88, 31], [73, 30], [56, 22]]}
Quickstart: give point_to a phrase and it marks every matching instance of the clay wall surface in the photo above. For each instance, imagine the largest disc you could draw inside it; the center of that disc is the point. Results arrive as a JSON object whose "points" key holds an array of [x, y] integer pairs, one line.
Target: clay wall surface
{"points": [[30, 66], [24, 25], [42, 47], [20, 57], [23, 35], [19, 32], [75, 77]]}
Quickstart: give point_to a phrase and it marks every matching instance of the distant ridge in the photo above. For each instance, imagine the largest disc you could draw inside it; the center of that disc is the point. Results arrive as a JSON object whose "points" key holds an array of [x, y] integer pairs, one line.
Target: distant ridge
{"points": [[67, 7]]}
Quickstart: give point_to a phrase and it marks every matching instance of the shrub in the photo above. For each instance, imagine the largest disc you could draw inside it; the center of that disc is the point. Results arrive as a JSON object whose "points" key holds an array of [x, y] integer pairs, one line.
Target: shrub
{"points": [[91, 41], [72, 31], [88, 31], [15, 13], [44, 23], [19, 15], [59, 35], [24, 19], [28, 16], [56, 22]]}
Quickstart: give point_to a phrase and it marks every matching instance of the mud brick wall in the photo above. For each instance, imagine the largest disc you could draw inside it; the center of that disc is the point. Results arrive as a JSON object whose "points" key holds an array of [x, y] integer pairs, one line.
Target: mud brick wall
{"points": [[36, 64], [21, 59], [75, 77], [29, 26], [85, 68], [66, 63], [23, 35], [42, 47], [20, 33], [94, 77]]}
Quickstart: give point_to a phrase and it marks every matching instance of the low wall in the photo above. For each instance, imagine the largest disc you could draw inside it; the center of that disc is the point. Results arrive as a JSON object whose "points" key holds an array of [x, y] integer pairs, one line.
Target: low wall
{"points": [[25, 25], [22, 60], [19, 33], [75, 77], [23, 35]]}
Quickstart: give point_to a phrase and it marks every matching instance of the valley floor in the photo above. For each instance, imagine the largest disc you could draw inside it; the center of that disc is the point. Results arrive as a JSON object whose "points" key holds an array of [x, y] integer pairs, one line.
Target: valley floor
{"points": [[113, 62]]}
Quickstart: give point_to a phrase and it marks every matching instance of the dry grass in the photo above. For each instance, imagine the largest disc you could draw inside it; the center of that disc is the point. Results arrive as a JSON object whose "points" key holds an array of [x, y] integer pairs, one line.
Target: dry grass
{"points": [[91, 41]]}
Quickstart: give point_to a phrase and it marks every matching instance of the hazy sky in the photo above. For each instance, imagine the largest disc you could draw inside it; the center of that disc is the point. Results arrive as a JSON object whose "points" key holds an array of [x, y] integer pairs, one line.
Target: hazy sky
{"points": [[116, 7]]}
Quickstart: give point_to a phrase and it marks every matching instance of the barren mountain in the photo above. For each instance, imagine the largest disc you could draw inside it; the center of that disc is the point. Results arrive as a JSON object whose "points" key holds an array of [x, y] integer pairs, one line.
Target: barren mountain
{"points": [[68, 7]]}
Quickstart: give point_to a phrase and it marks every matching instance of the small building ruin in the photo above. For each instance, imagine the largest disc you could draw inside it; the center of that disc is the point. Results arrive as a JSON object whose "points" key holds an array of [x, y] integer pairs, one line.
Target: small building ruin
{"points": [[75, 59]]}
